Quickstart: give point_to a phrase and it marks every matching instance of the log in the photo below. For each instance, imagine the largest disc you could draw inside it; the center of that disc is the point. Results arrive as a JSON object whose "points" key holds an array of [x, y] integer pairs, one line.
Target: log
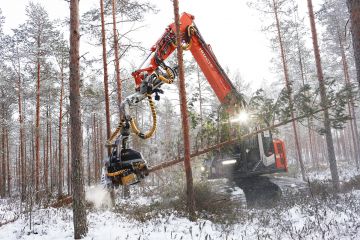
{"points": [[231, 141]]}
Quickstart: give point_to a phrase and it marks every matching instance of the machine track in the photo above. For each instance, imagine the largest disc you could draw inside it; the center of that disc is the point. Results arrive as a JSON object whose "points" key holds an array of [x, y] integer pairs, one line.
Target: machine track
{"points": [[259, 191]]}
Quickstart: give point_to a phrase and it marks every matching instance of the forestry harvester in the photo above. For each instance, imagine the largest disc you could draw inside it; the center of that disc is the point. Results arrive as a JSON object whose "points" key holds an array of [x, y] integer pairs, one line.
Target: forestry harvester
{"points": [[249, 158]]}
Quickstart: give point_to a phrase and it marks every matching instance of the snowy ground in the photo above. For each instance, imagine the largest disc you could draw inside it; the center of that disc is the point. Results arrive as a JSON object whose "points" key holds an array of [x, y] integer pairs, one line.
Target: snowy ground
{"points": [[299, 216], [331, 218], [346, 172]]}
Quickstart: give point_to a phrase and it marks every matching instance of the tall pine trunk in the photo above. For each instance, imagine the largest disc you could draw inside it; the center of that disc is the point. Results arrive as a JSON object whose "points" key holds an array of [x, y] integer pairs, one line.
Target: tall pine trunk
{"points": [[184, 117], [126, 190], [354, 10], [289, 89], [21, 138], [106, 84], [37, 126], [68, 132], [3, 158], [324, 100], [79, 207], [8, 162], [95, 145], [116, 53], [351, 105], [61, 162]]}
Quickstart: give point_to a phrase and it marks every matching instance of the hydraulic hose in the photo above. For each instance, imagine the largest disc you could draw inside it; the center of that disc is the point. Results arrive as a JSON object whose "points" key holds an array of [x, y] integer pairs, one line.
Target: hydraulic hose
{"points": [[170, 74], [116, 133], [153, 128]]}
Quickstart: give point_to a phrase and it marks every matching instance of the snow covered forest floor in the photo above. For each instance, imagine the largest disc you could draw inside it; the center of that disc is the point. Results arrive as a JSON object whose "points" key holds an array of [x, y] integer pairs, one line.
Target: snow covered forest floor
{"points": [[158, 213]]}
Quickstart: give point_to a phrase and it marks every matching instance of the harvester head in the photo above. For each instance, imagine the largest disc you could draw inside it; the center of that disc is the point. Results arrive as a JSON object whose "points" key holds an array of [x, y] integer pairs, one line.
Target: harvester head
{"points": [[126, 168]]}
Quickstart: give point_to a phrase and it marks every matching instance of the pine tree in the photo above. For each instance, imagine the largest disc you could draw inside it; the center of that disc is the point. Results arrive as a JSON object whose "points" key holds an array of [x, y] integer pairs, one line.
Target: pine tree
{"points": [[184, 116], [79, 208], [106, 77], [324, 102], [38, 31], [354, 10]]}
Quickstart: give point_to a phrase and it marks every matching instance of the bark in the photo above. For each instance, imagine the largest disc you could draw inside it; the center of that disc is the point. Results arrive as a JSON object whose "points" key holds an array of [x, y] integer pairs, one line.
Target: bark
{"points": [[184, 117], [323, 97], [116, 52], [289, 89], [68, 131], [126, 189], [303, 79], [53, 169], [37, 126], [354, 10], [61, 161], [79, 208], [351, 105], [106, 84], [3, 160], [100, 147], [8, 163], [95, 151], [88, 158], [46, 154], [21, 137]]}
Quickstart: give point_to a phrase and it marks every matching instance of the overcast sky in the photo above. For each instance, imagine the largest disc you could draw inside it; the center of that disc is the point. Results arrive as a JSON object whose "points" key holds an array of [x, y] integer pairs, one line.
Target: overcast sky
{"points": [[230, 27]]}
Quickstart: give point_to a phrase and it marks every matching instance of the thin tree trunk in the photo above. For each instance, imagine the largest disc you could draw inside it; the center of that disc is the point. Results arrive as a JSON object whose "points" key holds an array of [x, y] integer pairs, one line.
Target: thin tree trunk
{"points": [[68, 132], [116, 52], [32, 171], [184, 116], [21, 137], [303, 78], [354, 10], [46, 154], [8, 163], [351, 106], [327, 123], [37, 127], [126, 189], [288, 87], [88, 158], [101, 145], [3, 159], [106, 84], [52, 159], [17, 172], [79, 207], [95, 151], [61, 161]]}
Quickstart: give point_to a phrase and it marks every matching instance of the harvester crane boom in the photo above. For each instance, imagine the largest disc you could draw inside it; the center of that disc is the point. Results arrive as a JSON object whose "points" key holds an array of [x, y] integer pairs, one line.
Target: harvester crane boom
{"points": [[194, 42], [126, 166]]}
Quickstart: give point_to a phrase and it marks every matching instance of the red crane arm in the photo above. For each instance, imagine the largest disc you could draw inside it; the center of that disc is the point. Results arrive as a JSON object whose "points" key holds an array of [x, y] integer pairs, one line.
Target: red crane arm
{"points": [[193, 41]]}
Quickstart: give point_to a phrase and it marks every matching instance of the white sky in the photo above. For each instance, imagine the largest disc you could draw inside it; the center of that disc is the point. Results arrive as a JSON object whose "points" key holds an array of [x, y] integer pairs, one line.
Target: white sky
{"points": [[230, 27]]}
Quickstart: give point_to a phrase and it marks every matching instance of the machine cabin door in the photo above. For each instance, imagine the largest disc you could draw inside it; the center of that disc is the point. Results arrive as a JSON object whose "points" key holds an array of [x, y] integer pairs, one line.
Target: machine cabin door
{"points": [[280, 155]]}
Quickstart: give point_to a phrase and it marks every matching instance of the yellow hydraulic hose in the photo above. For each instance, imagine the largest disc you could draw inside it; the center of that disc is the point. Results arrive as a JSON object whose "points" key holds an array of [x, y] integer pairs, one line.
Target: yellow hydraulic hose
{"points": [[153, 128], [167, 80], [116, 133], [114, 174]]}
